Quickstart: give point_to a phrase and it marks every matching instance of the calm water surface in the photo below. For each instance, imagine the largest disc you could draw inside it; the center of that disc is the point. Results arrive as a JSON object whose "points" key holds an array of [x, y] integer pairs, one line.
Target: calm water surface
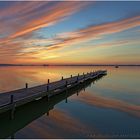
{"points": [[108, 107]]}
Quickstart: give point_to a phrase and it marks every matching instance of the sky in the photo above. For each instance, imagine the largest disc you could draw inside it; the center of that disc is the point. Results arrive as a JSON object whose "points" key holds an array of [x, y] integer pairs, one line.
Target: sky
{"points": [[70, 32]]}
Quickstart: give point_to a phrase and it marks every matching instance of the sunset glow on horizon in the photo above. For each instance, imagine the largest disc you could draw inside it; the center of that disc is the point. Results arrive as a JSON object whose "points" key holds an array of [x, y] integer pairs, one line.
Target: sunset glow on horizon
{"points": [[45, 32]]}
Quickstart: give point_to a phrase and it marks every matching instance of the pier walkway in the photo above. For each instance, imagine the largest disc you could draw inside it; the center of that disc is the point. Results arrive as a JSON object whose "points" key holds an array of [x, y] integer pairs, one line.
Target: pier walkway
{"points": [[12, 99]]}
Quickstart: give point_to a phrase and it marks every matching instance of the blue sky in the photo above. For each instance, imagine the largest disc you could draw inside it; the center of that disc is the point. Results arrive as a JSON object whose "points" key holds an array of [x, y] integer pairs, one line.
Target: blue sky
{"points": [[95, 13]]}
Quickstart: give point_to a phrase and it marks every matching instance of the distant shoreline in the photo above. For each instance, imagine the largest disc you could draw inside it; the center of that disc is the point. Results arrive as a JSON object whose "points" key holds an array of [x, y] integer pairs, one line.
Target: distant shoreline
{"points": [[13, 65]]}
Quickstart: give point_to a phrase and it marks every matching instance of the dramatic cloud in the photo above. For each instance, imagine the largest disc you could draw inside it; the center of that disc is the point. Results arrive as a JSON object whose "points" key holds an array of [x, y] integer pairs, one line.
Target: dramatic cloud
{"points": [[25, 17], [20, 19], [20, 23], [95, 32]]}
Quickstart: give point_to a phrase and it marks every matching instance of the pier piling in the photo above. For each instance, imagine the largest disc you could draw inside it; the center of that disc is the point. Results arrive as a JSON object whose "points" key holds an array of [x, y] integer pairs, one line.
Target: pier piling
{"points": [[13, 107], [77, 92], [13, 111], [48, 113], [66, 101], [11, 99], [47, 87], [66, 83]]}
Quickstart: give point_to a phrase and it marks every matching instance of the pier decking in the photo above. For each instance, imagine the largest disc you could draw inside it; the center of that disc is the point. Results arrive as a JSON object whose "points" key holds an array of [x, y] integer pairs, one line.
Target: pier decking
{"points": [[12, 99]]}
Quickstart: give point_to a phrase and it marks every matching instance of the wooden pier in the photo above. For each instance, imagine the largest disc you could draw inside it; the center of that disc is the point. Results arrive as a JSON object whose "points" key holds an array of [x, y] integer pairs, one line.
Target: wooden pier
{"points": [[11, 100], [36, 109]]}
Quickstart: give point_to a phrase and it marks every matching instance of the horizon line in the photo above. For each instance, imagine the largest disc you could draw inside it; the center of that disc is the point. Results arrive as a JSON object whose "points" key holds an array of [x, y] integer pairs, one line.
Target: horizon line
{"points": [[69, 64]]}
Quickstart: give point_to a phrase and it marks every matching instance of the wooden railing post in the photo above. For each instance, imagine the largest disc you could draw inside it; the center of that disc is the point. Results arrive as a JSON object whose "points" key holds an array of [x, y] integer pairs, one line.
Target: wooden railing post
{"points": [[71, 76], [26, 85], [48, 85], [48, 81], [62, 78]]}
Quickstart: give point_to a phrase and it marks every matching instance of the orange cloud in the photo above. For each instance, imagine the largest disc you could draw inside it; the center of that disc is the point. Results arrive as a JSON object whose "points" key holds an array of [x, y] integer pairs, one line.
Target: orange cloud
{"points": [[38, 19], [95, 32], [19, 20]]}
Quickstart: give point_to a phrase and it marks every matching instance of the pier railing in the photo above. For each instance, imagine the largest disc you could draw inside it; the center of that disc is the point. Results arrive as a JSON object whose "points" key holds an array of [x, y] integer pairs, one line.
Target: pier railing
{"points": [[12, 99]]}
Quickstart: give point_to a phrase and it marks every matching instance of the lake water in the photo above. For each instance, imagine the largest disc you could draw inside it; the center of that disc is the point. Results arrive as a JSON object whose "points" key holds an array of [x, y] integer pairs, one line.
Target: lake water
{"points": [[107, 108]]}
